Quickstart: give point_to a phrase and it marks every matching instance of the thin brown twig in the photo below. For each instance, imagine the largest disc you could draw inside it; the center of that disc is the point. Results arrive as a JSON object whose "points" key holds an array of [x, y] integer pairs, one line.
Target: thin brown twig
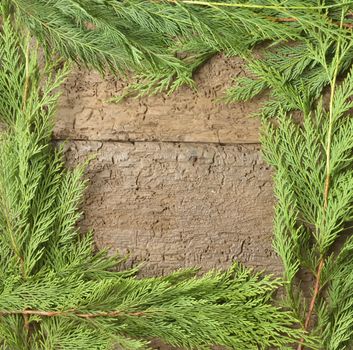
{"points": [[326, 189], [42, 313], [315, 294], [282, 19], [347, 25], [312, 301], [274, 19]]}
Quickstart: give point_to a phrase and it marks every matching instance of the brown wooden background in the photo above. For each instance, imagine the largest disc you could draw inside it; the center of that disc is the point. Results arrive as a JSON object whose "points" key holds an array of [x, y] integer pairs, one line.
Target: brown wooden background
{"points": [[178, 180]]}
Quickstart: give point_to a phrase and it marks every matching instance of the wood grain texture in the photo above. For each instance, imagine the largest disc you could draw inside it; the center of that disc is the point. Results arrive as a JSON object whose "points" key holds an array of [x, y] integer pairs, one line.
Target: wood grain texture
{"points": [[185, 116], [178, 180], [172, 205]]}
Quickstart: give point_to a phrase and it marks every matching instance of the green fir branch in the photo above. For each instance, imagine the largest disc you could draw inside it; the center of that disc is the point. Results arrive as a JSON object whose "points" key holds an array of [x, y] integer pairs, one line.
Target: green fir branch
{"points": [[55, 292]]}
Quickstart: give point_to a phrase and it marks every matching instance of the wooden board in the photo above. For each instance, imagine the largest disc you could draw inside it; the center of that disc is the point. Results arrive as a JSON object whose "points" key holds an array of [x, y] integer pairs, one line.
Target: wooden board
{"points": [[185, 116], [173, 205]]}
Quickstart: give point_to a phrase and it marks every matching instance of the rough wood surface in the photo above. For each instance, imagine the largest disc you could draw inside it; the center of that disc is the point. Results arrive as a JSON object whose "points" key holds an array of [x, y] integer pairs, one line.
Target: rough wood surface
{"points": [[185, 116], [178, 181], [173, 205]]}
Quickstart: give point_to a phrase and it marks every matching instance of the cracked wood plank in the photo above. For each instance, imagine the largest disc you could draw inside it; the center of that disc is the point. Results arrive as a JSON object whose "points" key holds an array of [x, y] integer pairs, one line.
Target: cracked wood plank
{"points": [[185, 116], [175, 205]]}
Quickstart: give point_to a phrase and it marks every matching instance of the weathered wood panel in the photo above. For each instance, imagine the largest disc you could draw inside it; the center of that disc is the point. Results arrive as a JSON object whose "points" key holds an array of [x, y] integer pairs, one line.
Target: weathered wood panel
{"points": [[174, 205], [178, 180], [185, 116]]}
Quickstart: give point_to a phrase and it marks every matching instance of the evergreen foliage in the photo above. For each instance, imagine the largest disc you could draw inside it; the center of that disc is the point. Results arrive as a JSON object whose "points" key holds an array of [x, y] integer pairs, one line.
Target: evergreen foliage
{"points": [[164, 42], [312, 156], [304, 64], [55, 291]]}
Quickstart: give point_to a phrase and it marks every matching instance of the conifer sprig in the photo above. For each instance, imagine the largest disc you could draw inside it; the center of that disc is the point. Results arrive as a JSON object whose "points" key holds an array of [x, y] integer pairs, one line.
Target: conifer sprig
{"points": [[310, 50], [55, 292], [164, 42], [313, 185]]}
